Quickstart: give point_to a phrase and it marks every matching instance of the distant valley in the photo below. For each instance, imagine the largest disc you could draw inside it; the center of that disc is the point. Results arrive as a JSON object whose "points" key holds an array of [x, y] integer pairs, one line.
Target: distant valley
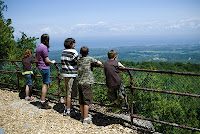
{"points": [[157, 53]]}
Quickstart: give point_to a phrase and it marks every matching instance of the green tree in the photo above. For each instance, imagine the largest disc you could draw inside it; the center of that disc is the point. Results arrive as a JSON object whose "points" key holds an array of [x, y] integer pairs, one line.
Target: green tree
{"points": [[9, 48], [23, 44], [6, 34]]}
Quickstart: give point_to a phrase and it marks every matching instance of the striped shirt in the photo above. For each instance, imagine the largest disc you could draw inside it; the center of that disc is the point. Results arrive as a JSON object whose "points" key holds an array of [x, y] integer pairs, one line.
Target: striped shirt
{"points": [[69, 62]]}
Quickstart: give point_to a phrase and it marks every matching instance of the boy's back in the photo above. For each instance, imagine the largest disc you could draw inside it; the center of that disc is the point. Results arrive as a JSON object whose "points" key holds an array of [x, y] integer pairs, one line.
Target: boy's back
{"points": [[113, 78], [85, 80], [112, 73], [84, 70], [69, 62]]}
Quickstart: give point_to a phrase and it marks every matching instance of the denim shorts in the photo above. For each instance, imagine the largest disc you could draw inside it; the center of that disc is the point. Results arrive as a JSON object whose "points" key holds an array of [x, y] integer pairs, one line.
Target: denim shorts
{"points": [[28, 79], [45, 75]]}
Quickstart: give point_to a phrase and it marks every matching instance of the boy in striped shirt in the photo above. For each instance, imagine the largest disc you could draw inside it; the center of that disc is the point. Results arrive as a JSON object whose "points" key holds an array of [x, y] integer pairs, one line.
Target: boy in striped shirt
{"points": [[69, 70]]}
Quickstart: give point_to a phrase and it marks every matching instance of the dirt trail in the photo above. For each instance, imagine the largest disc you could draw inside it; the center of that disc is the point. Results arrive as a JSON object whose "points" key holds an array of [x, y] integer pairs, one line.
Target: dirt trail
{"points": [[18, 116]]}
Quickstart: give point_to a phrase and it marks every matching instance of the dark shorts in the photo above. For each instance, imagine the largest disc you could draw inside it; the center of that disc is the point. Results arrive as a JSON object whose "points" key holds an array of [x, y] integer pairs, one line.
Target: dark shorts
{"points": [[45, 75], [112, 92], [28, 79], [85, 94]]}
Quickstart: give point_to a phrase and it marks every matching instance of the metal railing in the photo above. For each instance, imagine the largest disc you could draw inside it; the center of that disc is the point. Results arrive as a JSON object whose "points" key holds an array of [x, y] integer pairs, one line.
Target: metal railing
{"points": [[181, 76], [139, 82]]}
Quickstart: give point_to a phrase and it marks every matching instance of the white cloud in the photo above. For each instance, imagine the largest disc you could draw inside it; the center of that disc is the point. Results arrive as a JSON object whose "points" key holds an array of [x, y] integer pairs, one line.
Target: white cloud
{"points": [[109, 28], [46, 30], [145, 27], [150, 27], [114, 29], [194, 25], [127, 28], [173, 26], [96, 24], [192, 19]]}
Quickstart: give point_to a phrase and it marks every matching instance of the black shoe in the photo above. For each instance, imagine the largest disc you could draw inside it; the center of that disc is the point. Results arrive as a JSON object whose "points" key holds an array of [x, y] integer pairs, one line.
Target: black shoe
{"points": [[72, 112], [45, 106]]}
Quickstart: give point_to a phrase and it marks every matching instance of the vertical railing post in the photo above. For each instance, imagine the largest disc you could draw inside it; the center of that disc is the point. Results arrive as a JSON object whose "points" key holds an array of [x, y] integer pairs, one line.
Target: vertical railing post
{"points": [[18, 71], [131, 88], [59, 78]]}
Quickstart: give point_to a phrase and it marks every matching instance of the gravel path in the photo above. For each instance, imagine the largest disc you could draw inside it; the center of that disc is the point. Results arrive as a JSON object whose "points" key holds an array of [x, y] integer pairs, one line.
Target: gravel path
{"points": [[18, 116]]}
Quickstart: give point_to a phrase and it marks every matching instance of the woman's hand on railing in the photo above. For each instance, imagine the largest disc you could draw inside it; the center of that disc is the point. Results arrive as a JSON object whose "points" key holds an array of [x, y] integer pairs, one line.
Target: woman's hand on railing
{"points": [[53, 62]]}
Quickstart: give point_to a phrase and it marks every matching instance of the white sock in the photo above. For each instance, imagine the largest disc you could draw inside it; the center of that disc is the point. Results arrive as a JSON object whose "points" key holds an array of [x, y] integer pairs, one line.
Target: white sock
{"points": [[42, 102], [68, 110]]}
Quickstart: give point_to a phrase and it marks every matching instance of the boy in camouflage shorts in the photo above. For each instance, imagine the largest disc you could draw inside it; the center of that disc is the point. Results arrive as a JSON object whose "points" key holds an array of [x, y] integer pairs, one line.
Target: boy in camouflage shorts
{"points": [[113, 79], [85, 82]]}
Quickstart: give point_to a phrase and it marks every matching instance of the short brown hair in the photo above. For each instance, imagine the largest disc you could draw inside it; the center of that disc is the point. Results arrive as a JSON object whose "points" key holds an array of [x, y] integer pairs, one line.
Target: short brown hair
{"points": [[112, 54], [84, 51], [69, 43]]}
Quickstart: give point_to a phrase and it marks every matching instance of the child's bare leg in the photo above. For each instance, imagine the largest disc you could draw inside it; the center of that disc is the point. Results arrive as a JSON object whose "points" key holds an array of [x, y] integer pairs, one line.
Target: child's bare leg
{"points": [[68, 99], [86, 109], [27, 91], [68, 102], [30, 90]]}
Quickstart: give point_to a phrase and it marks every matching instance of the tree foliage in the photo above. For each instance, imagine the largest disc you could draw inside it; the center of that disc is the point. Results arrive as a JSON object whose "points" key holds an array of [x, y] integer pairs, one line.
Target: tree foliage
{"points": [[9, 48], [6, 34], [23, 44]]}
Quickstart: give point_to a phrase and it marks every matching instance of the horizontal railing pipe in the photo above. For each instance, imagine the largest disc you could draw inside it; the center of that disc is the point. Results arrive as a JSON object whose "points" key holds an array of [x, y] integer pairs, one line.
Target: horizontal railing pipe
{"points": [[160, 71], [166, 92], [165, 123]]}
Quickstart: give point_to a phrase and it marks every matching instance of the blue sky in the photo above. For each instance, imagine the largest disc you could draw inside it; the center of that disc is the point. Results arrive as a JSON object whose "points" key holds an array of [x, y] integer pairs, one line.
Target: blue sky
{"points": [[136, 19]]}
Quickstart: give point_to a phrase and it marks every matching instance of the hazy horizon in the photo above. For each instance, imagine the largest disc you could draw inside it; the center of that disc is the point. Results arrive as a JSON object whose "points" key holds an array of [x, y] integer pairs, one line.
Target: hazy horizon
{"points": [[119, 42]]}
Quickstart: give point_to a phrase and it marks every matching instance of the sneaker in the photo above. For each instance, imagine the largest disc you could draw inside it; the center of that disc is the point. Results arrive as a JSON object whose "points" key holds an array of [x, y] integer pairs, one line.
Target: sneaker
{"points": [[28, 99], [65, 113], [87, 120], [45, 106]]}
